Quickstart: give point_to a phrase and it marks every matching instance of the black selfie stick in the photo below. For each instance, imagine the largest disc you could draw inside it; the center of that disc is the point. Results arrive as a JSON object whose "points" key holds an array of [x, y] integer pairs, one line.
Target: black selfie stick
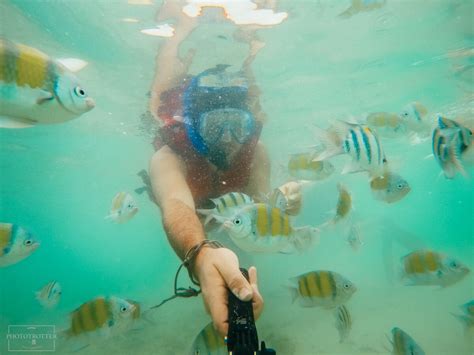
{"points": [[242, 338]]}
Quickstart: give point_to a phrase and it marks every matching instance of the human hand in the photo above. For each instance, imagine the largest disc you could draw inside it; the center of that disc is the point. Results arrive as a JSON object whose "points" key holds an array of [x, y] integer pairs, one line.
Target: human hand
{"points": [[217, 271], [292, 192]]}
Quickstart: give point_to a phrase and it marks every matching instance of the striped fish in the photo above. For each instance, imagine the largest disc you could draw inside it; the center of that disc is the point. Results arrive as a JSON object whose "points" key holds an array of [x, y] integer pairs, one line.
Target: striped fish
{"points": [[426, 267], [322, 288], [225, 205], [358, 141], [49, 295], [403, 344], [208, 342], [35, 89], [446, 152], [302, 166], [344, 206], [463, 134], [123, 208], [343, 322], [389, 187], [102, 315], [260, 227], [16, 244]]}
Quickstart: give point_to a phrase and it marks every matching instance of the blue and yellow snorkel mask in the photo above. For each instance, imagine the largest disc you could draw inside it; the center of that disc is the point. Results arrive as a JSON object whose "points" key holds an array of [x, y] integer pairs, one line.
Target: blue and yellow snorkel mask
{"points": [[216, 102]]}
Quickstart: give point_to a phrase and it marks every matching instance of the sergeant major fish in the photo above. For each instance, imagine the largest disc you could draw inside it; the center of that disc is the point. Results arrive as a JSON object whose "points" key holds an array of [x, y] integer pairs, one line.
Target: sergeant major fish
{"points": [[358, 141], [16, 244], [123, 208], [322, 288], [427, 267], [225, 205], [105, 316], [35, 89], [261, 228], [49, 295], [389, 187], [303, 167]]}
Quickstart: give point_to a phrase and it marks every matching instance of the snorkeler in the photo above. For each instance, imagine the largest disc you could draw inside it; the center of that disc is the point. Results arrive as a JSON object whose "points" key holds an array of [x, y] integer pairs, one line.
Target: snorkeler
{"points": [[208, 145]]}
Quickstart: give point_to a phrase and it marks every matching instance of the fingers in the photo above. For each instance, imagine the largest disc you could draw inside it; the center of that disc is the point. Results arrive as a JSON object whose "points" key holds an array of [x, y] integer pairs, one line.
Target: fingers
{"points": [[216, 304], [229, 269], [257, 300]]}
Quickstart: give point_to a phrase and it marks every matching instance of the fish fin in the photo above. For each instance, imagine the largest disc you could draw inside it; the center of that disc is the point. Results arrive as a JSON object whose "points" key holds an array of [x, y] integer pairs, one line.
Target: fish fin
{"points": [[305, 237], [9, 122], [329, 141], [352, 167], [466, 321], [140, 190], [44, 96], [293, 290], [429, 156], [455, 154], [209, 213], [73, 64]]}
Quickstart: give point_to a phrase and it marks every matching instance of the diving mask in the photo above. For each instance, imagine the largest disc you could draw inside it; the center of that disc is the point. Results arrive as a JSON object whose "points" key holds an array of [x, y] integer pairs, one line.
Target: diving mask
{"points": [[239, 123]]}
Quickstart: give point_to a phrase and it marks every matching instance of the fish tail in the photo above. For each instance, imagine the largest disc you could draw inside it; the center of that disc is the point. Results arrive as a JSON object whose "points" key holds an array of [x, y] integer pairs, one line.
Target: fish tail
{"points": [[305, 237], [208, 213], [330, 141]]}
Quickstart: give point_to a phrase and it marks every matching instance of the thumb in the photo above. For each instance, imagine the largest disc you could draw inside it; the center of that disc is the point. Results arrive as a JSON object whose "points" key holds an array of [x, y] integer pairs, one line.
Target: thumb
{"points": [[237, 283]]}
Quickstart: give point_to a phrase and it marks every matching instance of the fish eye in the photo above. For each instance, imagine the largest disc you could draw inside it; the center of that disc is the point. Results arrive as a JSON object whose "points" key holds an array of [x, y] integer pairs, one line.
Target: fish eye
{"points": [[400, 186], [123, 309], [454, 264], [28, 242], [347, 286], [237, 221], [405, 114], [79, 91]]}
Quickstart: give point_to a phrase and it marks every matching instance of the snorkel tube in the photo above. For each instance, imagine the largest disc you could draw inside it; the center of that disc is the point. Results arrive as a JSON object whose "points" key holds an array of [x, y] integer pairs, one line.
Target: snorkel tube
{"points": [[242, 338]]}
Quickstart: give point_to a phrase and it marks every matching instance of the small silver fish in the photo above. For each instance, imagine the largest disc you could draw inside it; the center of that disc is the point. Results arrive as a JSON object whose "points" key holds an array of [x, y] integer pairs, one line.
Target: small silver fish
{"points": [[123, 208], [343, 322], [49, 295], [403, 344], [467, 318], [353, 237]]}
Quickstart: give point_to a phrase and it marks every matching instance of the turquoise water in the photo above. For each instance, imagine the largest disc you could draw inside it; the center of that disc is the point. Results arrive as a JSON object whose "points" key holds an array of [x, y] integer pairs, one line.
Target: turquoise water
{"points": [[59, 180]]}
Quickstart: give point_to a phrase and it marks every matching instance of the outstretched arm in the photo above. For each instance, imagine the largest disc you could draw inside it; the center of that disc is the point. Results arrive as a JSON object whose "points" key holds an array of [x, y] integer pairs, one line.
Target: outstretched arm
{"points": [[216, 269]]}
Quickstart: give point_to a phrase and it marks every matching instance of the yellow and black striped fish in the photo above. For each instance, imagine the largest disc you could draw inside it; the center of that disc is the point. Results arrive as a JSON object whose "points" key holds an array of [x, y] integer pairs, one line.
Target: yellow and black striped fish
{"points": [[427, 267], [225, 205], [111, 314], [16, 243], [303, 167], [209, 342], [35, 89], [322, 288], [260, 227]]}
